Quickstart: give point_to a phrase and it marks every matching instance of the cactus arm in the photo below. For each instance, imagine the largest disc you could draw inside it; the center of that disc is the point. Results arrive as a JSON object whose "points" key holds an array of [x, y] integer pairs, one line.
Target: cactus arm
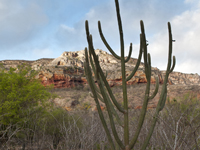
{"points": [[110, 93], [94, 71], [146, 98], [174, 63], [89, 74], [159, 107], [91, 49], [87, 33], [162, 100], [147, 64], [112, 106], [103, 77], [144, 48], [99, 97], [123, 70], [103, 92], [164, 87], [170, 48], [106, 74], [129, 54], [149, 67], [156, 89], [105, 42], [146, 142], [92, 64], [142, 116], [138, 61], [120, 28], [95, 87]]}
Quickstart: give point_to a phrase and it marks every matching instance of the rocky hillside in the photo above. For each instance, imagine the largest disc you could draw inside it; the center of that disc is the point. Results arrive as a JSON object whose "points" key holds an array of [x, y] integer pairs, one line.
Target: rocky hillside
{"points": [[67, 70]]}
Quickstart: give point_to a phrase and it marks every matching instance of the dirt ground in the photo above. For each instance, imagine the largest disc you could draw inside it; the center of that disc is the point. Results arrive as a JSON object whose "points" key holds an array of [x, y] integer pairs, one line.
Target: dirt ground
{"points": [[79, 97]]}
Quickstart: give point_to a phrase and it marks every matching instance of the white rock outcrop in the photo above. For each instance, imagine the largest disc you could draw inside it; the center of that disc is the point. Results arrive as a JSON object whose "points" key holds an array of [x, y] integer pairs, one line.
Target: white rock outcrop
{"points": [[77, 58]]}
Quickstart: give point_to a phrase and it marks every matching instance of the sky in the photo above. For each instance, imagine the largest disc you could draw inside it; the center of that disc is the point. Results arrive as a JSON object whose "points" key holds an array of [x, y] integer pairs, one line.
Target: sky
{"points": [[34, 29]]}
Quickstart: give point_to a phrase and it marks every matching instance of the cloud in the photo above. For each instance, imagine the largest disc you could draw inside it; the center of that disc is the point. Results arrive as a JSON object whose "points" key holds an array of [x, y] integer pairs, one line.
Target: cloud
{"points": [[19, 23], [71, 38], [26, 25], [131, 13], [186, 32]]}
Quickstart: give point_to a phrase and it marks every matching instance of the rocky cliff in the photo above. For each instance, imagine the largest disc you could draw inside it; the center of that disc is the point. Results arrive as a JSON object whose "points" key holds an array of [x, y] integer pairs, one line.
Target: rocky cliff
{"points": [[67, 70]]}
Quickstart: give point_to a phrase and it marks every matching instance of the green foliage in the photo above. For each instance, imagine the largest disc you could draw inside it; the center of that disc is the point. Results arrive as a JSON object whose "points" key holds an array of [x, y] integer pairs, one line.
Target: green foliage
{"points": [[188, 106], [20, 92]]}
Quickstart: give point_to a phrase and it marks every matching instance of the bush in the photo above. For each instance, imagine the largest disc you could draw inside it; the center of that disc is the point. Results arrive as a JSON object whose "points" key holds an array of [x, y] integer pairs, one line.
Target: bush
{"points": [[22, 98], [20, 92], [178, 126]]}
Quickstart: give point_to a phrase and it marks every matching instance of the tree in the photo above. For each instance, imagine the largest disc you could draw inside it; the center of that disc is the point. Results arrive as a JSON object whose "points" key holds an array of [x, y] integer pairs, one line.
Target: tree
{"points": [[20, 93], [104, 93]]}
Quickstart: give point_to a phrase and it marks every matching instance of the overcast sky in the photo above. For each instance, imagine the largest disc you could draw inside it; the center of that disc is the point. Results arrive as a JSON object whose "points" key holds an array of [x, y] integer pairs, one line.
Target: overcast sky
{"points": [[33, 29]]}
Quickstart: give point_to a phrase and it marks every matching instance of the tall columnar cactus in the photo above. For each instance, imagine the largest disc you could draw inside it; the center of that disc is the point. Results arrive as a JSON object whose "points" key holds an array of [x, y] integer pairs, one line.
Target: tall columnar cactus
{"points": [[103, 92]]}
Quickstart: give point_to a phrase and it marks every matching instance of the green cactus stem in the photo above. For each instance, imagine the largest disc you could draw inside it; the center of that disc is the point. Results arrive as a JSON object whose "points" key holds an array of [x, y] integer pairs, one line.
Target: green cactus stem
{"points": [[103, 92]]}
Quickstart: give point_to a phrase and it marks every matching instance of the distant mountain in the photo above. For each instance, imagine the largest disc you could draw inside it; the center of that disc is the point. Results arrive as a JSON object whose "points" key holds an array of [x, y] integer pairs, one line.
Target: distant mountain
{"points": [[67, 70]]}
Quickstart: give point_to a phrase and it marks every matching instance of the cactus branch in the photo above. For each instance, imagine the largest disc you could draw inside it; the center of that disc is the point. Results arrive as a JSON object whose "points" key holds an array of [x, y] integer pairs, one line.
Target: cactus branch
{"points": [[103, 76], [170, 47], [120, 28], [130, 52], [89, 74], [148, 75], [144, 48], [163, 101], [98, 91], [142, 115], [105, 42], [99, 97], [147, 60], [138, 61], [112, 106], [156, 89], [163, 96], [123, 70], [109, 112], [174, 63]]}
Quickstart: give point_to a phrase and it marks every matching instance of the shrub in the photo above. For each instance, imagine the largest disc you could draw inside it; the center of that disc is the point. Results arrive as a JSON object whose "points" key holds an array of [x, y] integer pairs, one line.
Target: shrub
{"points": [[21, 98], [179, 123]]}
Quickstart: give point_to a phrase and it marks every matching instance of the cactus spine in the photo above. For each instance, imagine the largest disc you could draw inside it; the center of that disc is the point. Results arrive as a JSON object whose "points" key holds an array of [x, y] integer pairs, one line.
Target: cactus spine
{"points": [[103, 92]]}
